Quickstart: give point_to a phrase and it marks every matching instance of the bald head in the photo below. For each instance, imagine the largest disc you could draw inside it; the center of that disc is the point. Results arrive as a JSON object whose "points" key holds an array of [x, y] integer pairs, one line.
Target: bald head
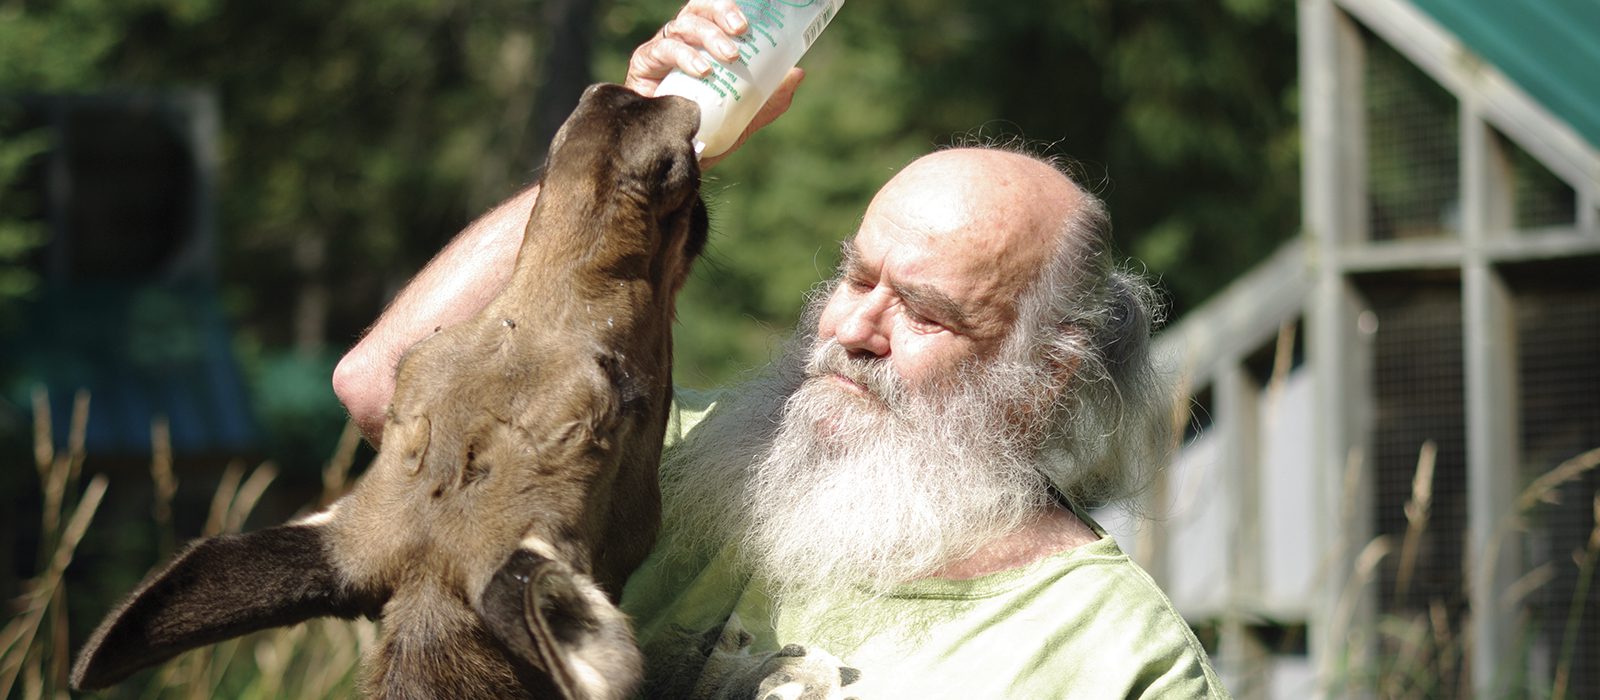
{"points": [[975, 264], [989, 221], [1010, 206], [945, 252]]}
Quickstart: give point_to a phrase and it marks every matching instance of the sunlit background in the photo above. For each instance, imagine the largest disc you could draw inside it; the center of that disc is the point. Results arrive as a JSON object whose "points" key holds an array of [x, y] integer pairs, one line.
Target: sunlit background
{"points": [[204, 203]]}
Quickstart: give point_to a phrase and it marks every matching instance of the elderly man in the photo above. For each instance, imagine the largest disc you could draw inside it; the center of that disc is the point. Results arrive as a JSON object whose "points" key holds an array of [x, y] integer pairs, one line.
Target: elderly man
{"points": [[895, 508]]}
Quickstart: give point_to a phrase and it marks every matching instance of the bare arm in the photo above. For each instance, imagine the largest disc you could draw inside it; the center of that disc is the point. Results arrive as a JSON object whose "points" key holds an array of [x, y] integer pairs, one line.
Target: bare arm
{"points": [[458, 282], [469, 272]]}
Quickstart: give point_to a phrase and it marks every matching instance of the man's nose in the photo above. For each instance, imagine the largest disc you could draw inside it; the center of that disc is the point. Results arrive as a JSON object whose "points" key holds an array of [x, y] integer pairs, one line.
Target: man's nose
{"points": [[864, 326]]}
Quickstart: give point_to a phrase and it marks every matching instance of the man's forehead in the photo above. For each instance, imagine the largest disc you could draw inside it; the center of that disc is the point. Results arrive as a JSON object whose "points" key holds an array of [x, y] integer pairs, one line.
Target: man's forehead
{"points": [[1000, 206], [919, 200], [956, 294], [959, 256]]}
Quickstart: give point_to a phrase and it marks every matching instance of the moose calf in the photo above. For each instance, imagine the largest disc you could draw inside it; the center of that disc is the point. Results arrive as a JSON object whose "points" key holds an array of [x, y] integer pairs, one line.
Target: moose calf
{"points": [[516, 487]]}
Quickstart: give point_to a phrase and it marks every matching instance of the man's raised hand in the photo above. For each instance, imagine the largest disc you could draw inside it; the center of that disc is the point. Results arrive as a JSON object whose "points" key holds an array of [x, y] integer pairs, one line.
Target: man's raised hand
{"points": [[708, 25]]}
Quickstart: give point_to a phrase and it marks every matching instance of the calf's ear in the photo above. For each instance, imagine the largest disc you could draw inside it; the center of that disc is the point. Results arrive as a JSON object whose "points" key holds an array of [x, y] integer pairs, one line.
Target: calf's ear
{"points": [[560, 622], [217, 589]]}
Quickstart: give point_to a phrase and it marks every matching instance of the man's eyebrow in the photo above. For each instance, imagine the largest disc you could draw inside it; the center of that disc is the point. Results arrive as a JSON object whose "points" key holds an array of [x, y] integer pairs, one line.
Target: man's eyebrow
{"points": [[925, 297], [849, 257], [944, 309]]}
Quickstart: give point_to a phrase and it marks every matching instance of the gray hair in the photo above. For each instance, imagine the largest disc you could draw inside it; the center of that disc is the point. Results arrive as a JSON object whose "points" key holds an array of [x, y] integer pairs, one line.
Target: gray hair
{"points": [[1110, 426]]}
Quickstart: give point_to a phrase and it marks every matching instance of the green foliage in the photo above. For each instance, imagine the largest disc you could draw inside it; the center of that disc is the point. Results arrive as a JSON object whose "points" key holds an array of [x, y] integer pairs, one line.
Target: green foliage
{"points": [[376, 129], [373, 130], [19, 235], [1183, 116], [293, 404]]}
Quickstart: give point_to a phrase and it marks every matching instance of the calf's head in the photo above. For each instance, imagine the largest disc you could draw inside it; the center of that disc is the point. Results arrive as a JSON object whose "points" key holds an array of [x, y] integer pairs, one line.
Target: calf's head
{"points": [[516, 486]]}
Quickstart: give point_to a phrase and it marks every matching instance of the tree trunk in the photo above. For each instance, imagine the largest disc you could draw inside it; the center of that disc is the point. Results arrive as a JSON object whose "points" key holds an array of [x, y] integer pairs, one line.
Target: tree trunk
{"points": [[566, 45], [310, 321]]}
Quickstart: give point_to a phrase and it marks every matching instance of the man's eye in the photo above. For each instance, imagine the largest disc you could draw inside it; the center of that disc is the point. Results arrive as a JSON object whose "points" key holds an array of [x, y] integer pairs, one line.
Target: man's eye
{"points": [[859, 285], [920, 322]]}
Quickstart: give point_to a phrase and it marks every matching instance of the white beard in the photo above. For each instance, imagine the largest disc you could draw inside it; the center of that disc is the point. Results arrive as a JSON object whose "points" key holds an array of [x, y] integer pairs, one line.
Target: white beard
{"points": [[818, 488]]}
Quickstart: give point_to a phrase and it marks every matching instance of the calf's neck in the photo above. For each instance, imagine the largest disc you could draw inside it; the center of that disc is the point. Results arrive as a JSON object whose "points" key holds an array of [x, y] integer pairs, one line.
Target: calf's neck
{"points": [[516, 487]]}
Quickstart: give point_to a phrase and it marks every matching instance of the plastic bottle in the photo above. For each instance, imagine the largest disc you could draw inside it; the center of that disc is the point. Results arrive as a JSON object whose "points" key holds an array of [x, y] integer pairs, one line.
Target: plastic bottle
{"points": [[779, 33]]}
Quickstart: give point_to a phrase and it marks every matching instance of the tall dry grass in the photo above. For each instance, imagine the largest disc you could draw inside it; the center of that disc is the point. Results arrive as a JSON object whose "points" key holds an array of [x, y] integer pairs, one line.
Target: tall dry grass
{"points": [[1425, 651], [317, 659], [1423, 654]]}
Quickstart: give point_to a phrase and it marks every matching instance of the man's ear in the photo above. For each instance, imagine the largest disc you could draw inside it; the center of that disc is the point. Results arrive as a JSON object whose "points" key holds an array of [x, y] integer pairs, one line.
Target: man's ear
{"points": [[557, 620], [217, 589], [1064, 367], [1121, 339], [1126, 333]]}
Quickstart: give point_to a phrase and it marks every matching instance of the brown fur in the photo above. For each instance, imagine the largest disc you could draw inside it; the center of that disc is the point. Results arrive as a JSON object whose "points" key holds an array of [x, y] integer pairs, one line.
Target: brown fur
{"points": [[516, 488]]}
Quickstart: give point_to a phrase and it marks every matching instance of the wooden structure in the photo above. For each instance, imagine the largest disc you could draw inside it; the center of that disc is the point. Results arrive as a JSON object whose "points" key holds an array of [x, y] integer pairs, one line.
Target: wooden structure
{"points": [[1372, 402]]}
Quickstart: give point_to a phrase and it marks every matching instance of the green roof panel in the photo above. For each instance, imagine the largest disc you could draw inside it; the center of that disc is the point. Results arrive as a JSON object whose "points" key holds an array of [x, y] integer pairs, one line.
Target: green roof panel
{"points": [[1551, 48]]}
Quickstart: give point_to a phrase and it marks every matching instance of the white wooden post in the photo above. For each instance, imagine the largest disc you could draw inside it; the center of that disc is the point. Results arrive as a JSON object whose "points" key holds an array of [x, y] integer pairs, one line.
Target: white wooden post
{"points": [[1490, 342], [1333, 192], [1238, 406]]}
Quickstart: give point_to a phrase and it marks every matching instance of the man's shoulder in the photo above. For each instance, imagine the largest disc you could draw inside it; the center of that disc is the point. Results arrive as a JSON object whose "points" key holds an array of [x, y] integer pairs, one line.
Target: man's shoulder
{"points": [[1120, 628], [1087, 622]]}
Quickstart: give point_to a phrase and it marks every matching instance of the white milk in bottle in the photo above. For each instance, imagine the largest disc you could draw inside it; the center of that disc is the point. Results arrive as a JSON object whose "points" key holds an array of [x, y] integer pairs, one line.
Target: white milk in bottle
{"points": [[779, 33]]}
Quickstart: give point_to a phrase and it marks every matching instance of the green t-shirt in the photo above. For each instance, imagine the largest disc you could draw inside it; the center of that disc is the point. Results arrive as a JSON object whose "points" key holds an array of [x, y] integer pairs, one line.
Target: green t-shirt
{"points": [[1084, 623]]}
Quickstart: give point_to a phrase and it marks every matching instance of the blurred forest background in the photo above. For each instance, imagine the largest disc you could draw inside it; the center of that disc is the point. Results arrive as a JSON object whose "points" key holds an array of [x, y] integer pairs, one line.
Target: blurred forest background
{"points": [[356, 138]]}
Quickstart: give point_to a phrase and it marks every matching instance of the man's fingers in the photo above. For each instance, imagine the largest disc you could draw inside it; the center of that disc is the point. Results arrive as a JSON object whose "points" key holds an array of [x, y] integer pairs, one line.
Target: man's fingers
{"points": [[697, 31], [656, 58], [645, 70], [730, 16], [725, 13], [701, 24]]}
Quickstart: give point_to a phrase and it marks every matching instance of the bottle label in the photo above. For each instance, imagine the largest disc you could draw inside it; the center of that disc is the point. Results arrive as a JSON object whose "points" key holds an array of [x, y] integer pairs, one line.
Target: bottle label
{"points": [[818, 24], [765, 17], [723, 81]]}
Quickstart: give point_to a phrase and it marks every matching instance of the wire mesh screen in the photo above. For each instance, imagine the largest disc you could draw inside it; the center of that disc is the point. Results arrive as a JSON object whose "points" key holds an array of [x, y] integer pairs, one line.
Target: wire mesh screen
{"points": [[1419, 398], [1412, 154], [1559, 372], [1541, 199]]}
